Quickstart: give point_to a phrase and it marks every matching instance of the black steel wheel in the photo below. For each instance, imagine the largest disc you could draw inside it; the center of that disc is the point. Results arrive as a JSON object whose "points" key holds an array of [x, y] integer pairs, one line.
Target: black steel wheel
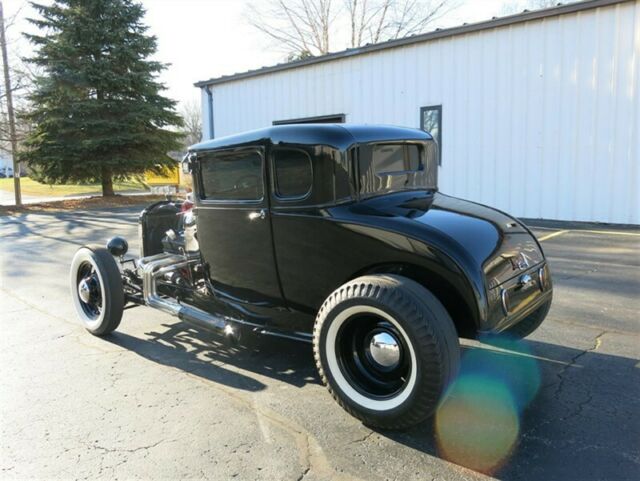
{"points": [[373, 354], [96, 290], [387, 350]]}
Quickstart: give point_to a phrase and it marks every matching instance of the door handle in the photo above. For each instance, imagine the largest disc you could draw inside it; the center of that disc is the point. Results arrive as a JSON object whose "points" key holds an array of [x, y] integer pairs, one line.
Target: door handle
{"points": [[261, 214]]}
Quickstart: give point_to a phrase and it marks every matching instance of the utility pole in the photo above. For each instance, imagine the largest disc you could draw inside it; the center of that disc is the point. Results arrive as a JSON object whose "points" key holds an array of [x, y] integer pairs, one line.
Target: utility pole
{"points": [[10, 113]]}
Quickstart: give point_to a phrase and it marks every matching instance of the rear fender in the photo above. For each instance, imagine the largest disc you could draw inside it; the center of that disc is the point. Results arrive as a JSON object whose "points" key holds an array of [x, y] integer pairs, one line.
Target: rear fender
{"points": [[457, 297]]}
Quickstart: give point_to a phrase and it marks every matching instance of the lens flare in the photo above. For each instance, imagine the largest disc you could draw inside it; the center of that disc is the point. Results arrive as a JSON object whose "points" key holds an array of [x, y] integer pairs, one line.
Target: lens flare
{"points": [[511, 364], [477, 425]]}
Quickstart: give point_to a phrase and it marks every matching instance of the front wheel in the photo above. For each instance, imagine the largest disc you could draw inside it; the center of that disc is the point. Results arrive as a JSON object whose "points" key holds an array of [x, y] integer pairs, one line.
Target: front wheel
{"points": [[96, 290], [387, 350]]}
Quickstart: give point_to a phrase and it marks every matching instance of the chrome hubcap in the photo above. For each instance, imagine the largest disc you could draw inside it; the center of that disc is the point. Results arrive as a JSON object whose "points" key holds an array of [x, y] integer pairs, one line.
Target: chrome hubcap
{"points": [[84, 289], [385, 350], [89, 292]]}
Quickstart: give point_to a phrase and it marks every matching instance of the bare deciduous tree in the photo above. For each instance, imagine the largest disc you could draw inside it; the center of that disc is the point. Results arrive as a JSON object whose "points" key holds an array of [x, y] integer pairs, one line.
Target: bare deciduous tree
{"points": [[311, 27], [22, 75], [373, 21], [301, 26], [192, 118]]}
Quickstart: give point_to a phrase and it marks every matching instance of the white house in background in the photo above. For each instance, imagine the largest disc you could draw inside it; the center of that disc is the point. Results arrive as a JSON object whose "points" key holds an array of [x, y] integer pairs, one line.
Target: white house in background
{"points": [[537, 113], [6, 165]]}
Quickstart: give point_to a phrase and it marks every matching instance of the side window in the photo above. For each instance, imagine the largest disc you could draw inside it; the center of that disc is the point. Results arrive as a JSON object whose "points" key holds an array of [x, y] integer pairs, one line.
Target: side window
{"points": [[431, 121], [232, 176], [293, 173]]}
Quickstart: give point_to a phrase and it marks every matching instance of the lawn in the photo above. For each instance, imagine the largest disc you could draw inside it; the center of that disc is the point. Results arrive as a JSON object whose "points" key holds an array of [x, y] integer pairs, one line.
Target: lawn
{"points": [[31, 187]]}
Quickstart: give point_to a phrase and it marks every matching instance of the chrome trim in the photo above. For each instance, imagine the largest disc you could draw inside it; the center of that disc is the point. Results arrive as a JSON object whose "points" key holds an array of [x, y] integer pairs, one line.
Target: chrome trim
{"points": [[504, 298], [159, 265], [542, 278], [261, 214], [141, 236]]}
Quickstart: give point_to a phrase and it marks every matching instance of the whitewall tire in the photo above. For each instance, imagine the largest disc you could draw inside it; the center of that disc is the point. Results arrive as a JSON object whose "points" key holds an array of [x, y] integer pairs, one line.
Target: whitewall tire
{"points": [[96, 289], [387, 350]]}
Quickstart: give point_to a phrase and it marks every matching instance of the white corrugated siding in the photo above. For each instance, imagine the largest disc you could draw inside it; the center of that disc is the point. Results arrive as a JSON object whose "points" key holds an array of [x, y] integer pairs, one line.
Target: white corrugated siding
{"points": [[540, 119]]}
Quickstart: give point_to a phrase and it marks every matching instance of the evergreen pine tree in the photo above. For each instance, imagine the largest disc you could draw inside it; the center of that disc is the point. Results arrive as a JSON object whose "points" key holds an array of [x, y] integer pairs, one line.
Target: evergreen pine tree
{"points": [[97, 111]]}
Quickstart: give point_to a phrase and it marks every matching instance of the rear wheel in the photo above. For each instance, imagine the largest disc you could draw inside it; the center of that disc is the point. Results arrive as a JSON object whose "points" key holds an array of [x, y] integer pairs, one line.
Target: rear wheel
{"points": [[96, 290], [387, 350]]}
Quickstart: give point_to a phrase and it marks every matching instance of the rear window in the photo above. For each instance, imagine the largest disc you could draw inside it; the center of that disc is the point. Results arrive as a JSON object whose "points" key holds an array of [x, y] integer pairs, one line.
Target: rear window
{"points": [[395, 158], [232, 176], [390, 167]]}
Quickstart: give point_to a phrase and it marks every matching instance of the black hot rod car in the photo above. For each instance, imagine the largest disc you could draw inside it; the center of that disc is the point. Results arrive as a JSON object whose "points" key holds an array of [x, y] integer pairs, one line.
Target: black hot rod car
{"points": [[335, 235]]}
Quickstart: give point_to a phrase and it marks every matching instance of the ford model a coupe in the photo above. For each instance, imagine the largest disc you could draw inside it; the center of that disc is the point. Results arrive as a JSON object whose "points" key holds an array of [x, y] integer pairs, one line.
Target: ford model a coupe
{"points": [[335, 235]]}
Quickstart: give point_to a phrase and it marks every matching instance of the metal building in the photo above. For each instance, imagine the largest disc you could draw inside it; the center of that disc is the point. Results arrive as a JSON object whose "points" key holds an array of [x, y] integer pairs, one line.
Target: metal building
{"points": [[536, 114]]}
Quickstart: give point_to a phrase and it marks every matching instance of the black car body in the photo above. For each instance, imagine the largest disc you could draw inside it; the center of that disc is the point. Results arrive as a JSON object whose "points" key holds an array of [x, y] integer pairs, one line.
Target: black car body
{"points": [[349, 224], [286, 215]]}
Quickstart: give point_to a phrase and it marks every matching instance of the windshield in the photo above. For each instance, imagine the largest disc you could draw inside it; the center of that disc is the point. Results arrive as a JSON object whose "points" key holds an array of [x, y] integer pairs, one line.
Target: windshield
{"points": [[395, 166]]}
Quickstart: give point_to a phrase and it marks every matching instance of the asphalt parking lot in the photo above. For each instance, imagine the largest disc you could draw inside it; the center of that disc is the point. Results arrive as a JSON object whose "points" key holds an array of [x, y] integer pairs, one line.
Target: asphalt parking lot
{"points": [[159, 399]]}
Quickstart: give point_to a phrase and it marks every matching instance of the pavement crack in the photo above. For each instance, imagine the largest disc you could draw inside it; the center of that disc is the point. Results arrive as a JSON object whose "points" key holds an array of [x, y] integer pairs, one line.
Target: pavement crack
{"points": [[304, 473], [132, 450], [597, 342], [577, 407], [362, 439]]}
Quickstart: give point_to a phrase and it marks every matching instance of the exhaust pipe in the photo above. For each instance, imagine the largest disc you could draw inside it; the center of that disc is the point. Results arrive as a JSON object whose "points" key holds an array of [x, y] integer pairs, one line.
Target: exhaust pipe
{"points": [[157, 266]]}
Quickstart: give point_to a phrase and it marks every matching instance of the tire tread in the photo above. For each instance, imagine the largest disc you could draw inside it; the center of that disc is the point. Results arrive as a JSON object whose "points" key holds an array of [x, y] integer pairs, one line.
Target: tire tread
{"points": [[438, 334], [114, 292]]}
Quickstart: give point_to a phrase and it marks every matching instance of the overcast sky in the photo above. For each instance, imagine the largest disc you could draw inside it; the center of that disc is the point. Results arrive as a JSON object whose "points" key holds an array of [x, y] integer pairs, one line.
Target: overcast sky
{"points": [[208, 38]]}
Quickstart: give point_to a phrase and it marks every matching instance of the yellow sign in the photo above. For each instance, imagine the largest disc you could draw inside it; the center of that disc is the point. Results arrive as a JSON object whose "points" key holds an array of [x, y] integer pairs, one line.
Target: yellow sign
{"points": [[169, 176]]}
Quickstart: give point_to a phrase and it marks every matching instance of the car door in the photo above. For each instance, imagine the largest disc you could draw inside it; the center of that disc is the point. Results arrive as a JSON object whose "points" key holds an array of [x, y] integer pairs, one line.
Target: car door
{"points": [[234, 229]]}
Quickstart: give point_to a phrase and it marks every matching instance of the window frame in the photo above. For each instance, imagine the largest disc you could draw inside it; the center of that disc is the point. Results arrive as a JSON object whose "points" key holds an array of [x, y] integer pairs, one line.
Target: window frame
{"points": [[274, 176], [202, 157], [357, 154], [438, 140]]}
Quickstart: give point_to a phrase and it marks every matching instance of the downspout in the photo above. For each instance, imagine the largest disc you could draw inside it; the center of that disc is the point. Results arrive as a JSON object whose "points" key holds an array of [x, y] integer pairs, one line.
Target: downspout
{"points": [[207, 89]]}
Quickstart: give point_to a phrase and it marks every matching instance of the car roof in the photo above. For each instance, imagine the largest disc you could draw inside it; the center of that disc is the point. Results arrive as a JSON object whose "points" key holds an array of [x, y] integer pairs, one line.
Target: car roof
{"points": [[339, 136]]}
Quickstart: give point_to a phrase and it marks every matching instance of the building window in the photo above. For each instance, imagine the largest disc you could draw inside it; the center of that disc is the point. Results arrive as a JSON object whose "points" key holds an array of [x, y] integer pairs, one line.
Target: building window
{"points": [[321, 119], [431, 121], [293, 174], [233, 176]]}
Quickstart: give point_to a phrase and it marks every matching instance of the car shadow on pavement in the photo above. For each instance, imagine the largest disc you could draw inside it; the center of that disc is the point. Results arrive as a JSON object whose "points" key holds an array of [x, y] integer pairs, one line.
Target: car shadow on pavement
{"points": [[217, 359], [518, 410]]}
